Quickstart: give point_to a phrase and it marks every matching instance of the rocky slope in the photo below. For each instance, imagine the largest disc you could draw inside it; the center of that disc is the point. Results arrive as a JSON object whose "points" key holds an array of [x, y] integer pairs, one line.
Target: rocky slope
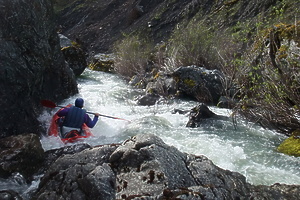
{"points": [[32, 66], [253, 43], [97, 24]]}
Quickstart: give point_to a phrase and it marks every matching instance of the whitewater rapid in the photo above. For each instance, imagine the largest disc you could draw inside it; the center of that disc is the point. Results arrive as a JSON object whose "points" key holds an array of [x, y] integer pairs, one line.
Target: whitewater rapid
{"points": [[245, 148]]}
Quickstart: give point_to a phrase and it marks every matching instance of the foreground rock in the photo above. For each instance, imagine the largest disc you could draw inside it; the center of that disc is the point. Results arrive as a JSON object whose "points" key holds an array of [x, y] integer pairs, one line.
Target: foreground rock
{"points": [[20, 154], [32, 67], [145, 167]]}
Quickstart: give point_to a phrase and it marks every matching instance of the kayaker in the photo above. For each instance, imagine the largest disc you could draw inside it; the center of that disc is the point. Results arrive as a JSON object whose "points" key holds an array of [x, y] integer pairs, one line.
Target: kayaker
{"points": [[73, 119]]}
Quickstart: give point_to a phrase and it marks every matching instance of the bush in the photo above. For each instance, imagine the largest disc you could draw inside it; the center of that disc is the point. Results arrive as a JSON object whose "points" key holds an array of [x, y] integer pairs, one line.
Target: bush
{"points": [[270, 88], [132, 55], [191, 44]]}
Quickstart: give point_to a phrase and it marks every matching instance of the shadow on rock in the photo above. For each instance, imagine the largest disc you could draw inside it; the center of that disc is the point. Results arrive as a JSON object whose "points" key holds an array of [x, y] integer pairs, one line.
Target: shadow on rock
{"points": [[145, 167]]}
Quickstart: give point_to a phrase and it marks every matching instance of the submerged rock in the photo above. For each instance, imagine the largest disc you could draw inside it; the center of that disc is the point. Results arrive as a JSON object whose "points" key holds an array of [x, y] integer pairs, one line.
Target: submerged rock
{"points": [[148, 99], [200, 115], [144, 167]]}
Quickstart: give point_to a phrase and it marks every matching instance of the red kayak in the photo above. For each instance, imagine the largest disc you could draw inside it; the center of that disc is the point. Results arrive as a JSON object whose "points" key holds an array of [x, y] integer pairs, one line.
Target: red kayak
{"points": [[54, 130]]}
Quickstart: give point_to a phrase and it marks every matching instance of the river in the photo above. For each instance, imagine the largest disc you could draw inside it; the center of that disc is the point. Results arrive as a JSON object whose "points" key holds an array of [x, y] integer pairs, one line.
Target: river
{"points": [[246, 148]]}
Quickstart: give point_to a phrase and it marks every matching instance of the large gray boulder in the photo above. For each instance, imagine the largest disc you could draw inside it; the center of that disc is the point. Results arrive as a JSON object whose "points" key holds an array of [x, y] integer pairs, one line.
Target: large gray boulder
{"points": [[199, 83], [32, 66], [74, 54], [76, 59], [144, 167], [83, 175]]}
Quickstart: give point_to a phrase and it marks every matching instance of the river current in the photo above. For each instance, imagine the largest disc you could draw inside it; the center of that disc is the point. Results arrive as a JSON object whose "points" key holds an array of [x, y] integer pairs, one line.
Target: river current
{"points": [[244, 148]]}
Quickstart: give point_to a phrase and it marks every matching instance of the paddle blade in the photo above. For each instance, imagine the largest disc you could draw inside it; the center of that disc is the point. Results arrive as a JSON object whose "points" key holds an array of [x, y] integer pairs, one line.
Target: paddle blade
{"points": [[48, 103]]}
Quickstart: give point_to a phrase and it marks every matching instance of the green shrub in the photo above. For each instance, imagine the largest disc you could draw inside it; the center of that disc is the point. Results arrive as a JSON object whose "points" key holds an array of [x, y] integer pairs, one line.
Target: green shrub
{"points": [[191, 45], [270, 86], [132, 55]]}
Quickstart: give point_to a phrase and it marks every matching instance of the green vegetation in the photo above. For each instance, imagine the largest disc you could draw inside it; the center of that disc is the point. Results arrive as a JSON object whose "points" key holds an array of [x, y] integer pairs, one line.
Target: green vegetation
{"points": [[291, 146], [132, 55], [189, 82], [270, 88], [191, 44], [260, 55]]}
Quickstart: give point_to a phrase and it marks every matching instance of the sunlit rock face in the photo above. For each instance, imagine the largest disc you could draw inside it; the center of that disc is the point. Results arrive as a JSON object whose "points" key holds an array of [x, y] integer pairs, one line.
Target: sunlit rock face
{"points": [[32, 66], [147, 168]]}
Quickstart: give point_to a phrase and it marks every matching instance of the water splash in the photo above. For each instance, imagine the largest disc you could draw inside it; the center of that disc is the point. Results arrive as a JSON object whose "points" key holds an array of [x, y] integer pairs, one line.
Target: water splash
{"points": [[247, 148]]}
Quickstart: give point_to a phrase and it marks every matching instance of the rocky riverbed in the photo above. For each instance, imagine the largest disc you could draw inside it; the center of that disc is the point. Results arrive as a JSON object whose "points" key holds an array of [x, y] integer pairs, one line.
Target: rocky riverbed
{"points": [[142, 167]]}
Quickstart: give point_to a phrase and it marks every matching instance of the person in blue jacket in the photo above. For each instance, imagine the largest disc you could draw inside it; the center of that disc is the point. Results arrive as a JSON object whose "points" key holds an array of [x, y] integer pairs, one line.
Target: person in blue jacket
{"points": [[74, 117]]}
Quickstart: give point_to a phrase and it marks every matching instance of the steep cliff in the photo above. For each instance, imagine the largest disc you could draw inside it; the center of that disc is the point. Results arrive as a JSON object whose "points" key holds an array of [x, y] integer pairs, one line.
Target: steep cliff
{"points": [[32, 66]]}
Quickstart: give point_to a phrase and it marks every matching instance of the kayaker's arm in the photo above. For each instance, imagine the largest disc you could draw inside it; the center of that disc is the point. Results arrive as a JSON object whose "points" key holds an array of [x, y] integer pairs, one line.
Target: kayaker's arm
{"points": [[63, 112], [91, 123]]}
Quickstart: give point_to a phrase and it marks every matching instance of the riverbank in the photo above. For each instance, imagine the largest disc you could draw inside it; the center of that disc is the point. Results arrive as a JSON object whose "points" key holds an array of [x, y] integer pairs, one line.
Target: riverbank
{"points": [[143, 166]]}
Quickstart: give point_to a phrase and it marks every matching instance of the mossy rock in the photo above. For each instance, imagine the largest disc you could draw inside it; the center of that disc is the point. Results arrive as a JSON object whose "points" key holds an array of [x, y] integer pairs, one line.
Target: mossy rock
{"points": [[102, 62], [105, 66], [291, 146], [189, 82]]}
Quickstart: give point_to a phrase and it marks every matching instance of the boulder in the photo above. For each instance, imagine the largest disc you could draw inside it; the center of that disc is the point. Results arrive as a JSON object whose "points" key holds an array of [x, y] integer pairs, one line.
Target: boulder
{"points": [[73, 54], [52, 155], [201, 115], [102, 62], [83, 175], [199, 83], [64, 41], [157, 85], [276, 192], [148, 99], [144, 167], [32, 66], [20, 154], [291, 145], [76, 58], [162, 84]]}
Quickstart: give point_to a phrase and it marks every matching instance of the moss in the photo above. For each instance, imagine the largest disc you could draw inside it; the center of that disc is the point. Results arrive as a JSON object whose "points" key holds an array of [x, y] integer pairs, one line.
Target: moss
{"points": [[291, 146], [288, 31], [105, 66], [189, 82]]}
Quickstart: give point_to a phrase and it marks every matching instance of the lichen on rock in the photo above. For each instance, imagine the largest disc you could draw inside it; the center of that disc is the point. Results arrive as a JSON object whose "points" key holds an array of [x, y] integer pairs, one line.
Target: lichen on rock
{"points": [[291, 146]]}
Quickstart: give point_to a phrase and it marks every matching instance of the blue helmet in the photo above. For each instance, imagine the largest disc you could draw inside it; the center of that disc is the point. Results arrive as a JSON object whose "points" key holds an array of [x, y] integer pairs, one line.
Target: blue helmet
{"points": [[79, 102]]}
